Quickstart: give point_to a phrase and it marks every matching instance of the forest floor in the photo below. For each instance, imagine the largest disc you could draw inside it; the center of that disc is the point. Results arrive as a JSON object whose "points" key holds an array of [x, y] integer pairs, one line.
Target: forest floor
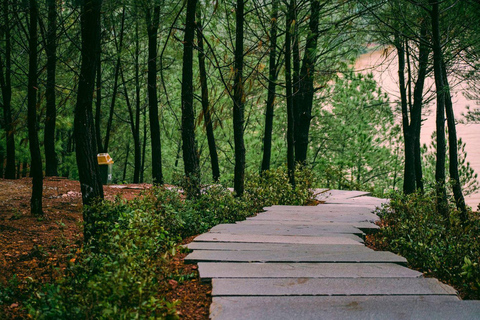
{"points": [[37, 248]]}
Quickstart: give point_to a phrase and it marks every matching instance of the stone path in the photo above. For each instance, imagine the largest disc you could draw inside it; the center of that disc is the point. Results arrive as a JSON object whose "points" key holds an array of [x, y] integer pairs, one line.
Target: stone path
{"points": [[310, 263]]}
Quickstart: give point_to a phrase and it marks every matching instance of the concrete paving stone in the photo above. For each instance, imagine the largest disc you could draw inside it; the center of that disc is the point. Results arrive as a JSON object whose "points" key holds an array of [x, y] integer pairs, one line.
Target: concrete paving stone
{"points": [[330, 239], [316, 217], [209, 270], [298, 230], [294, 256], [352, 208], [330, 286], [246, 246], [364, 201], [345, 308], [340, 194], [358, 225]]}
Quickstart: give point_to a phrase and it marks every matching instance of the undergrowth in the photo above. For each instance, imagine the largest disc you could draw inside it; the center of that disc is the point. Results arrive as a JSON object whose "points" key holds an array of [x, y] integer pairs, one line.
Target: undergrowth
{"points": [[121, 273], [449, 251]]}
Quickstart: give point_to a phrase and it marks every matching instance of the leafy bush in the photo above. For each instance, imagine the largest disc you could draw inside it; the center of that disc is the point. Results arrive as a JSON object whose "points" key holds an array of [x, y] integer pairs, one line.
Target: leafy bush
{"points": [[414, 229], [121, 272]]}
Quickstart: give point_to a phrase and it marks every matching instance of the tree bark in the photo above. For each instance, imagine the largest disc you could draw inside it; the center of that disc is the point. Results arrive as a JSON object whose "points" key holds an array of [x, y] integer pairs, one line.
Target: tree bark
{"points": [[272, 85], [239, 103], [115, 84], [207, 114], [305, 88], [84, 131], [441, 193], [152, 28], [409, 169], [290, 97], [36, 157], [424, 51], [51, 165], [136, 133], [6, 84], [453, 150]]}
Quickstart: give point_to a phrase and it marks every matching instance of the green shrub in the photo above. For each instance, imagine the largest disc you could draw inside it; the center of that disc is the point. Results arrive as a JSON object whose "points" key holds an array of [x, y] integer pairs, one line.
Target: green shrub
{"points": [[414, 229], [121, 272]]}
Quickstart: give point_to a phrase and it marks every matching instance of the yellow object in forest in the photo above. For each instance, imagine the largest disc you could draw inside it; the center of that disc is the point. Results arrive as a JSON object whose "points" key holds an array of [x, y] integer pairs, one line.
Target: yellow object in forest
{"points": [[104, 158]]}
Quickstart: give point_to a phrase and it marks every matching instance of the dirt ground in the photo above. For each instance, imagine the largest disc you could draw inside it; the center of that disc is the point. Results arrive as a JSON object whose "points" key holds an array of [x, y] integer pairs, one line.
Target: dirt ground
{"points": [[36, 247]]}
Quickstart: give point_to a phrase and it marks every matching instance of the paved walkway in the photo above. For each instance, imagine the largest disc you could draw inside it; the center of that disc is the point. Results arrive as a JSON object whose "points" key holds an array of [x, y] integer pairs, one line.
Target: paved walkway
{"points": [[310, 263]]}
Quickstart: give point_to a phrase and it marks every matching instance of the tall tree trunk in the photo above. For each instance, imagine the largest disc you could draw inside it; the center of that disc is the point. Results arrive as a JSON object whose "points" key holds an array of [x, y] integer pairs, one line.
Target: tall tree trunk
{"points": [[133, 121], [6, 84], [239, 103], [152, 28], [124, 177], [305, 90], [98, 103], [207, 114], [423, 53], [409, 169], [272, 85], [190, 153], [453, 150], [84, 131], [136, 133], [289, 93], [51, 164], [36, 157], [441, 192], [115, 84]]}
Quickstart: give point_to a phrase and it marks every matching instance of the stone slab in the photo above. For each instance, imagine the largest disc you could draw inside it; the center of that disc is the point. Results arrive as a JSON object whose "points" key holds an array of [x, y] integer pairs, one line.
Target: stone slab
{"points": [[330, 286], [358, 225], [330, 239], [292, 230], [294, 256], [245, 246], [364, 201], [340, 194], [345, 308], [316, 217], [209, 270], [322, 208]]}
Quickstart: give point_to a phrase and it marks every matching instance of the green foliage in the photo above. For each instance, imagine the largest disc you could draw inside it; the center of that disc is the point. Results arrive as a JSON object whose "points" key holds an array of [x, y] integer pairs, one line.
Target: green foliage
{"points": [[122, 271], [468, 176], [414, 229], [355, 141]]}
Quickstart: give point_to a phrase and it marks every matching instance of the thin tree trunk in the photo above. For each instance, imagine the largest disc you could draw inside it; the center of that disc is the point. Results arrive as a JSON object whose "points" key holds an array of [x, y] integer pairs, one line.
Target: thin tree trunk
{"points": [[136, 133], [190, 153], [441, 193], [152, 28], [6, 84], [290, 98], [306, 91], [36, 157], [453, 150], [98, 103], [144, 147], [207, 114], [239, 104], [409, 169], [133, 121], [51, 165], [272, 85], [124, 177], [115, 84], [84, 131], [418, 102]]}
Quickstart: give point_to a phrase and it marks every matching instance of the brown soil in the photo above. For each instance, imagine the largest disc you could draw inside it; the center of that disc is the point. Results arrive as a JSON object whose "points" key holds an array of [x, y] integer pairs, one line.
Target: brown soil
{"points": [[37, 247]]}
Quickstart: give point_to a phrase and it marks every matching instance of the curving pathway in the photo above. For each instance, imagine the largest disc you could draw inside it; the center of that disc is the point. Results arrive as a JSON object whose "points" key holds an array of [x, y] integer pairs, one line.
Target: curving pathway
{"points": [[294, 262]]}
